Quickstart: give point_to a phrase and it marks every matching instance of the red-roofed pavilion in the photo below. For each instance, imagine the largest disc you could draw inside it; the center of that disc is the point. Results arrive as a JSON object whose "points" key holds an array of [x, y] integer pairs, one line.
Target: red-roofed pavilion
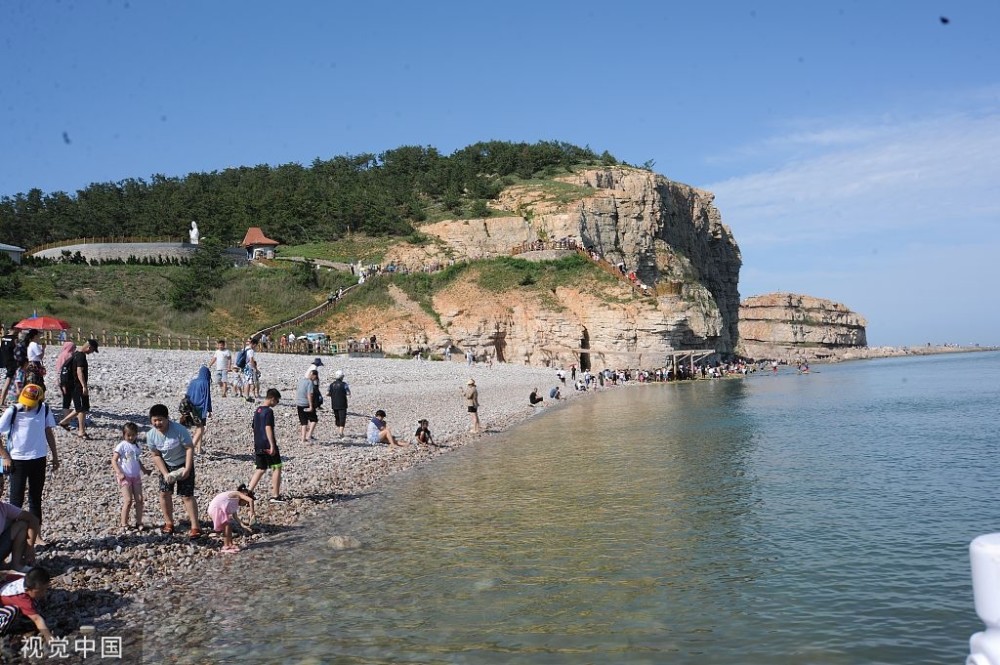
{"points": [[258, 245]]}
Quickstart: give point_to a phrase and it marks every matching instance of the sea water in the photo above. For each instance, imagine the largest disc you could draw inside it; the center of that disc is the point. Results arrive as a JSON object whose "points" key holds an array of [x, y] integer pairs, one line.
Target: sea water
{"points": [[820, 518]]}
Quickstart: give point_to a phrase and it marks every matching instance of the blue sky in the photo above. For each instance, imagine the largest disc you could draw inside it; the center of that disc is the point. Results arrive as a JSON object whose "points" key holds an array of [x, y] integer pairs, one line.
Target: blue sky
{"points": [[853, 146]]}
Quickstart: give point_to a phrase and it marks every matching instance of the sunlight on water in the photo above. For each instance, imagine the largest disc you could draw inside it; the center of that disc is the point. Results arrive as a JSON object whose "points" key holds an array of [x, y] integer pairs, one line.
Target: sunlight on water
{"points": [[790, 519]]}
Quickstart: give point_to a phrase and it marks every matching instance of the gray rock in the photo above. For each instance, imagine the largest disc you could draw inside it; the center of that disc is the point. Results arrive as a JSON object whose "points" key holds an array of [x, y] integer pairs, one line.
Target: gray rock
{"points": [[343, 542]]}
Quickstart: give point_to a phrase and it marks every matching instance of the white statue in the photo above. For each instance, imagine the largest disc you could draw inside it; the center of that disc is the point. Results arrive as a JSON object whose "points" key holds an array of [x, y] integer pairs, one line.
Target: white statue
{"points": [[193, 233]]}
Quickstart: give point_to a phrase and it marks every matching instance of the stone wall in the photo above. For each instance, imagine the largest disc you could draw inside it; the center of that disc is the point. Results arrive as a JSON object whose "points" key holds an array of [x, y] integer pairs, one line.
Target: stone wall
{"points": [[123, 250]]}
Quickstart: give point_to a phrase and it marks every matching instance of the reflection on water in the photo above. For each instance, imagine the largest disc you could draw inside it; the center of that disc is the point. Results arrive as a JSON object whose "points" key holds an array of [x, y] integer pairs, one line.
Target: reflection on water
{"points": [[790, 519]]}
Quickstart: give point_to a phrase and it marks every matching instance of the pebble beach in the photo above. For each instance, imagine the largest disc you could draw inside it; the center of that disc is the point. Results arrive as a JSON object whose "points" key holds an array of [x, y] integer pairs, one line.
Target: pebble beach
{"points": [[101, 572]]}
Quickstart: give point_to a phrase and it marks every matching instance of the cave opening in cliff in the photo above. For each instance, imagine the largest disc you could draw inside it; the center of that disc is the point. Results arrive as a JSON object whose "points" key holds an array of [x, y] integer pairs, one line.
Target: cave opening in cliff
{"points": [[584, 356]]}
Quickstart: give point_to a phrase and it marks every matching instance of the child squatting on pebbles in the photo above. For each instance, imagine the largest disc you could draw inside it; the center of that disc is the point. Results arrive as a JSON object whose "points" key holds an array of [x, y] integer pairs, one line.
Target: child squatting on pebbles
{"points": [[224, 510]]}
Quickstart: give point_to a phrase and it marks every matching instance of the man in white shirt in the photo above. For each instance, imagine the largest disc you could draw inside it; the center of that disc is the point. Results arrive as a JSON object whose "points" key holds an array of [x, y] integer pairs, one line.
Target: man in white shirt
{"points": [[223, 363]]}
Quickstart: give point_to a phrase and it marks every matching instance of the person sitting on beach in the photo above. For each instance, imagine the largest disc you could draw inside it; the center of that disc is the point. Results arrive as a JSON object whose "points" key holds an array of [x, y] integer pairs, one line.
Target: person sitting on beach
{"points": [[173, 456], [554, 393], [224, 510], [20, 595], [534, 398], [379, 432], [128, 470], [265, 446], [423, 434]]}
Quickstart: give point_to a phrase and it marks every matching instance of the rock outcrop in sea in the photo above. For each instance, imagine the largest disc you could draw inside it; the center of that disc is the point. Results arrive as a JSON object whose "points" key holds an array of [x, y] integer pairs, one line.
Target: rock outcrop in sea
{"points": [[791, 326]]}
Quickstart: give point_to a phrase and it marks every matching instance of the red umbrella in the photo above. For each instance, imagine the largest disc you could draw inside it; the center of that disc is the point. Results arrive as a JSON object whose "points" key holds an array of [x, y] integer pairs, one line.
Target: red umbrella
{"points": [[42, 323]]}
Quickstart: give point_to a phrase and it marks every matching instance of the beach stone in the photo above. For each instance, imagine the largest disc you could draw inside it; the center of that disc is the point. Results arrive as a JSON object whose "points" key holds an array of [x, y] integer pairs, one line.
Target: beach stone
{"points": [[343, 542]]}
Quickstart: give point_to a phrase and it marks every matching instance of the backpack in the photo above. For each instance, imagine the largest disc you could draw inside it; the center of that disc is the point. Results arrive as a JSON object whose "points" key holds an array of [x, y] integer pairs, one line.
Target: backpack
{"points": [[67, 374], [7, 343], [241, 359], [317, 396], [190, 415]]}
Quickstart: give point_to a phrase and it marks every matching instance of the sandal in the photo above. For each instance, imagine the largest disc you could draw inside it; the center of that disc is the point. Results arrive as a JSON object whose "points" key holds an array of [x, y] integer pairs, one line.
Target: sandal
{"points": [[167, 528], [194, 533], [232, 549]]}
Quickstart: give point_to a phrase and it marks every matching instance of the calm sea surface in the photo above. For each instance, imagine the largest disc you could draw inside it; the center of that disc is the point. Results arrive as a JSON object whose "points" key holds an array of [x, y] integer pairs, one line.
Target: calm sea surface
{"points": [[792, 519]]}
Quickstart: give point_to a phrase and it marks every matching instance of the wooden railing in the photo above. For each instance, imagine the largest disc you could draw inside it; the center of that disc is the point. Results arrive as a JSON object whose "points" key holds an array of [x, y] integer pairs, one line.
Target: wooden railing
{"points": [[543, 245]]}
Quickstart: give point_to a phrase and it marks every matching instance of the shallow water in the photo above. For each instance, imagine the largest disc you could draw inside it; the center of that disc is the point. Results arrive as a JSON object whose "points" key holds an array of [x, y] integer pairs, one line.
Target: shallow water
{"points": [[791, 519]]}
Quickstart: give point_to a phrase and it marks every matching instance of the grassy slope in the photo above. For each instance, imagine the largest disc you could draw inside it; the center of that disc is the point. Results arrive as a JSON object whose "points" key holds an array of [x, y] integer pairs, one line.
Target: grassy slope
{"points": [[135, 299]]}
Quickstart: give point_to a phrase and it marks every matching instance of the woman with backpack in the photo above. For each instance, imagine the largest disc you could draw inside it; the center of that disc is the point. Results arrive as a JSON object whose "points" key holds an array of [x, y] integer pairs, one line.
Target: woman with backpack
{"points": [[28, 430], [64, 370]]}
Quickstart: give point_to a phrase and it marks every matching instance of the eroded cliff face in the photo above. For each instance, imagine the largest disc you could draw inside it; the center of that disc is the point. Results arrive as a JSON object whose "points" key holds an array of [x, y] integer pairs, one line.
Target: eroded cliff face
{"points": [[593, 325], [670, 234], [789, 326]]}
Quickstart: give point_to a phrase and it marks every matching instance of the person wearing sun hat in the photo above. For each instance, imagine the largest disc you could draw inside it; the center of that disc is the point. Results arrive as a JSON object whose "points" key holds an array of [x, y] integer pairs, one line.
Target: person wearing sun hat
{"points": [[339, 391], [29, 431], [471, 395]]}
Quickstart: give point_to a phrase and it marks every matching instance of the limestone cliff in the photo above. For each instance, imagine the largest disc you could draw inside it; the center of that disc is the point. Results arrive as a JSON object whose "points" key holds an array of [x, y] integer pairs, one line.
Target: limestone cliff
{"points": [[670, 234], [790, 326]]}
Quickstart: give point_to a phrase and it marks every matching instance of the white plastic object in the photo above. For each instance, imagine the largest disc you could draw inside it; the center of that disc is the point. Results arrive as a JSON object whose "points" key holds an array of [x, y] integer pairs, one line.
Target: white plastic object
{"points": [[984, 556]]}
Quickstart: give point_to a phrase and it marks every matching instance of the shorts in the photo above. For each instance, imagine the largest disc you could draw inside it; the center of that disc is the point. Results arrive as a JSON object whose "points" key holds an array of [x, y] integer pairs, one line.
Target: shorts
{"points": [[135, 482], [184, 487], [220, 376], [265, 461], [473, 409], [251, 376], [81, 402], [306, 417], [6, 544], [11, 371], [67, 395], [340, 417], [7, 615]]}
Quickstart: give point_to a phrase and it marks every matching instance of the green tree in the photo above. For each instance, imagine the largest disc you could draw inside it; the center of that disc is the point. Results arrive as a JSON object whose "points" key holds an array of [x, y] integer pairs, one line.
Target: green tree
{"points": [[10, 280]]}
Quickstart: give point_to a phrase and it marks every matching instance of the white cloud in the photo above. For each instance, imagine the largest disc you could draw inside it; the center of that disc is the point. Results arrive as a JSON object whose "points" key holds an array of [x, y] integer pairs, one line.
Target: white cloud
{"points": [[899, 221], [921, 176]]}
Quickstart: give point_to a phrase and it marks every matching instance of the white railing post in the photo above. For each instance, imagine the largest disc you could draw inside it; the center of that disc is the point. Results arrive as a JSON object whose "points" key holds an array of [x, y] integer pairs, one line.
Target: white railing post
{"points": [[984, 555]]}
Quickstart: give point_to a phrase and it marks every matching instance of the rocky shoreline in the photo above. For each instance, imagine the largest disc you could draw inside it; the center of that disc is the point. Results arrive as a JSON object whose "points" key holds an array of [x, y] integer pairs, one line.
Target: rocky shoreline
{"points": [[102, 572]]}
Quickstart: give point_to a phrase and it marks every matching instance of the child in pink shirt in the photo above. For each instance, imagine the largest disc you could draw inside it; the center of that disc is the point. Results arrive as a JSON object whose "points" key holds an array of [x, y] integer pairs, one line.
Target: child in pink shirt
{"points": [[224, 510]]}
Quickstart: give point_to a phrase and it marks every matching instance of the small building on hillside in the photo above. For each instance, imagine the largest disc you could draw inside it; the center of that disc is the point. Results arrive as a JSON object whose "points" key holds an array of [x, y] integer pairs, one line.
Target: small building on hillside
{"points": [[15, 253], [258, 245]]}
